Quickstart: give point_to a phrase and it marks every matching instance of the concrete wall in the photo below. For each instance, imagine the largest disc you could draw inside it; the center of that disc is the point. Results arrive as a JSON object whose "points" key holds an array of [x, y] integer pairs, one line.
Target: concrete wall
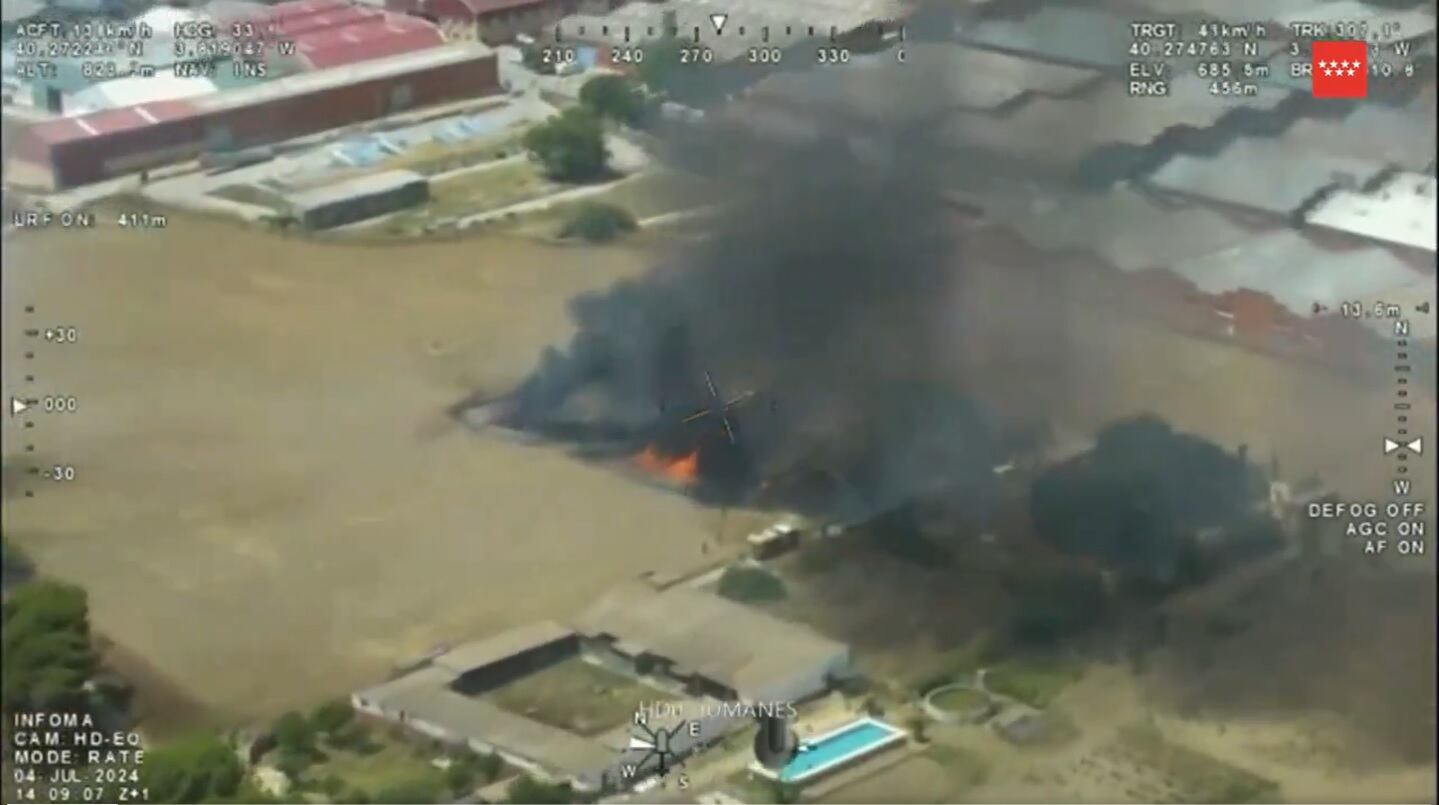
{"points": [[509, 669]]}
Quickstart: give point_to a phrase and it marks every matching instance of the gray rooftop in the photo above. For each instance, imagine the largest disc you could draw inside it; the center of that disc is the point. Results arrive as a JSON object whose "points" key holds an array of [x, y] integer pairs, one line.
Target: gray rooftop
{"points": [[426, 696], [381, 182], [936, 77], [1089, 36], [1262, 174], [735, 645], [1395, 136], [1105, 116], [479, 653], [1131, 230]]}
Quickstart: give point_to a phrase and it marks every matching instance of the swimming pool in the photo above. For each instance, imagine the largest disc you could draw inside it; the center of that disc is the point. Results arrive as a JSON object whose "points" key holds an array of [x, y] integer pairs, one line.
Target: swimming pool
{"points": [[839, 747]]}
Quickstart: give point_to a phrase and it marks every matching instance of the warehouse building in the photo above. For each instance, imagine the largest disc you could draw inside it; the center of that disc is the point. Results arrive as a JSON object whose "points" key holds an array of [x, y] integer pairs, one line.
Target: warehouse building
{"points": [[1400, 212], [136, 90], [679, 640], [89, 148], [440, 700], [712, 646], [497, 21]]}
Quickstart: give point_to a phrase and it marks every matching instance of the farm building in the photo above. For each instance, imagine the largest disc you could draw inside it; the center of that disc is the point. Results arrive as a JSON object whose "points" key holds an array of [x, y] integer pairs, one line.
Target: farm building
{"points": [[360, 198], [499, 20], [665, 639], [713, 646], [439, 700], [89, 148]]}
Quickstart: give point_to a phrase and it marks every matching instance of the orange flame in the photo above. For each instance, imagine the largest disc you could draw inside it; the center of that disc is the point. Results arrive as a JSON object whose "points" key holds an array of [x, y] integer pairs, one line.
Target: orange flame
{"points": [[683, 469]]}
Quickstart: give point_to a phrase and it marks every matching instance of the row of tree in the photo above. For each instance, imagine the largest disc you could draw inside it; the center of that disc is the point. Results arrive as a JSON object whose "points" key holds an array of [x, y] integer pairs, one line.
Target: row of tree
{"points": [[571, 145], [48, 654]]}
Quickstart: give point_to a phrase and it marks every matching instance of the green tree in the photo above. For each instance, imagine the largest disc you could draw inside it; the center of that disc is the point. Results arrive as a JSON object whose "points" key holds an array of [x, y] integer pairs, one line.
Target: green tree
{"points": [[332, 716], [409, 792], [751, 585], [616, 97], [598, 222], [526, 790], [201, 768], [570, 146], [47, 651], [490, 766], [460, 777], [295, 742]]}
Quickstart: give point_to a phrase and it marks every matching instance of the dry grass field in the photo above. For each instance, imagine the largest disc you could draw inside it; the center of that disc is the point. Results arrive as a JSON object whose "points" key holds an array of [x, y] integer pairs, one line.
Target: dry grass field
{"points": [[271, 506]]}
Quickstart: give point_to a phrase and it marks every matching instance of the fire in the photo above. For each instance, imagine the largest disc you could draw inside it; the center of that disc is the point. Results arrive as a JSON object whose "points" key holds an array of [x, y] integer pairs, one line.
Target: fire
{"points": [[683, 469]]}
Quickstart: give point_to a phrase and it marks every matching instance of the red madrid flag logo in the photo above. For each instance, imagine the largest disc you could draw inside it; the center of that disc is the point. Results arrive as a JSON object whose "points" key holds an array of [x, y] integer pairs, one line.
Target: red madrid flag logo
{"points": [[1340, 69]]}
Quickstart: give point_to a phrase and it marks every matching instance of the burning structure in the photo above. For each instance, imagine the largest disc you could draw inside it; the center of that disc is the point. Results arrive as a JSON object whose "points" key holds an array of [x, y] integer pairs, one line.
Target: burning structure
{"points": [[794, 358]]}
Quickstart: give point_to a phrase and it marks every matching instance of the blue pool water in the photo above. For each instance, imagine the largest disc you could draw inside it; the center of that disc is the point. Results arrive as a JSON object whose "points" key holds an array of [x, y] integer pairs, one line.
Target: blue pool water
{"points": [[833, 749]]}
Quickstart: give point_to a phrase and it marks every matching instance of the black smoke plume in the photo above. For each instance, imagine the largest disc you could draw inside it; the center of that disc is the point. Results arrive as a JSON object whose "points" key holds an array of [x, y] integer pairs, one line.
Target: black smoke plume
{"points": [[818, 303]]}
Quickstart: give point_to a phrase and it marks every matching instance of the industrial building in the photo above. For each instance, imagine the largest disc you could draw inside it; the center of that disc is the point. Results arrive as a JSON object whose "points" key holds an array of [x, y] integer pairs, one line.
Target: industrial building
{"points": [[713, 646], [88, 148], [497, 21], [679, 640], [1400, 212]]}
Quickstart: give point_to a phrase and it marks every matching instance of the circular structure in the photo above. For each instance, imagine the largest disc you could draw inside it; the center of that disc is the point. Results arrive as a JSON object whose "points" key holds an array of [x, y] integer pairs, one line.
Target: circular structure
{"points": [[775, 743], [959, 703]]}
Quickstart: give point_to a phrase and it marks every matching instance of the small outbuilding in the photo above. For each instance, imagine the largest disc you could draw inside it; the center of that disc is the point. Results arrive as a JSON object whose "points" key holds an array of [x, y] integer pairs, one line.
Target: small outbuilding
{"points": [[359, 199]]}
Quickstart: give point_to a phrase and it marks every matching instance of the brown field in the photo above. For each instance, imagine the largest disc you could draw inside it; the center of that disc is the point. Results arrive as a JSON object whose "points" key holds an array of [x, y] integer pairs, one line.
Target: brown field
{"points": [[272, 508]]}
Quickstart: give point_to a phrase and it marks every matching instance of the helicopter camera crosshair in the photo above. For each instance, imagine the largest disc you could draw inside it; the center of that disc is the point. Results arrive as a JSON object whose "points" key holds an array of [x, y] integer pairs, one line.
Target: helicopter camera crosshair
{"points": [[720, 407]]}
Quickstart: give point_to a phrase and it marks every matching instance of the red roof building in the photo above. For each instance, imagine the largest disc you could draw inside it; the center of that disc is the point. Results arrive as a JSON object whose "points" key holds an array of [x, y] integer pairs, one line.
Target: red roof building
{"points": [[374, 38], [296, 26], [294, 9], [89, 148], [495, 20]]}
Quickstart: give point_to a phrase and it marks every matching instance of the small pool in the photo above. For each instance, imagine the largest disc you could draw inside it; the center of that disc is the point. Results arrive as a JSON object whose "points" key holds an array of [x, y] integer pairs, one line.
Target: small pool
{"points": [[840, 747]]}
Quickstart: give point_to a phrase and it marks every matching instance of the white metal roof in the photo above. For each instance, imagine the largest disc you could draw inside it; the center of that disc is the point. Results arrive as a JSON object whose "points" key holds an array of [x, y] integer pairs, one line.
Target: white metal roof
{"points": [[133, 90], [1130, 231], [1402, 211], [1395, 136], [1262, 174]]}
